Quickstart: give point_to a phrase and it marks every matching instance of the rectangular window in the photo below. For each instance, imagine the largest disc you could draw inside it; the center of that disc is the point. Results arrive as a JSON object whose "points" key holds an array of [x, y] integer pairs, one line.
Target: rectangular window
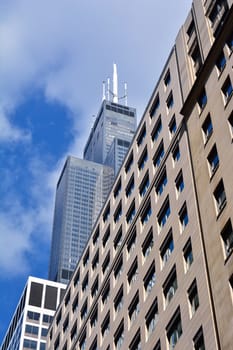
{"points": [[221, 62], [133, 273], [130, 187], [136, 342], [94, 344], [152, 318], [118, 268], [94, 318], [85, 283], [142, 135], [105, 327], [188, 255], [106, 236], [106, 213], [106, 293], [82, 341], [193, 297], [134, 308], [174, 329], [143, 159], [167, 78], [207, 128], [230, 43], [117, 188], [213, 160], [96, 236], [227, 238], [159, 155], [172, 126], [131, 243], [148, 244], [131, 213], [227, 90], [164, 213], [83, 312], [202, 100], [179, 182], [167, 248], [129, 163], [117, 214], [155, 106], [217, 15], [170, 286], [86, 258], [157, 130], [198, 340], [73, 333], [170, 102], [230, 121], [75, 303], [119, 336], [118, 239], [220, 197], [144, 185], [176, 153], [146, 214], [106, 264], [183, 217], [118, 301], [150, 279], [159, 187], [95, 261]]}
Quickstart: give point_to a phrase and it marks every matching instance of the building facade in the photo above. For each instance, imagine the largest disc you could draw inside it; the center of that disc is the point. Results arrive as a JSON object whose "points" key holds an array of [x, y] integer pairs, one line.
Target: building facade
{"points": [[81, 191], [157, 271], [33, 315]]}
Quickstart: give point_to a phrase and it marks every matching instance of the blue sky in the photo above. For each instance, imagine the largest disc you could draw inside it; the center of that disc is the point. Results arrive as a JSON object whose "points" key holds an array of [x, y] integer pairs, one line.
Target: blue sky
{"points": [[54, 56]]}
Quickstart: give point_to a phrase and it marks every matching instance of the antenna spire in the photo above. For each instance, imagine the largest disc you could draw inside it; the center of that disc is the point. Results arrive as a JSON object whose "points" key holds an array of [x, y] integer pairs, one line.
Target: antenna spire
{"points": [[115, 84], [104, 91]]}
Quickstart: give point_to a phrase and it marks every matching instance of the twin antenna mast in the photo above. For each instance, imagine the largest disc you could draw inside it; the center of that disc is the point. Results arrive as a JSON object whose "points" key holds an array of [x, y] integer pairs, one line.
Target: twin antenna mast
{"points": [[113, 94]]}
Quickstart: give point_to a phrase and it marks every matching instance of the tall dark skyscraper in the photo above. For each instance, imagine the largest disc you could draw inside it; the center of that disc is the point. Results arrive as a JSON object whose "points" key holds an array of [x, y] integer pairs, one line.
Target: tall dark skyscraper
{"points": [[85, 183]]}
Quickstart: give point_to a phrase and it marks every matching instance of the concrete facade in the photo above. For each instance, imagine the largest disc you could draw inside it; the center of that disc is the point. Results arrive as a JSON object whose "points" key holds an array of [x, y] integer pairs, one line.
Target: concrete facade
{"points": [[157, 271]]}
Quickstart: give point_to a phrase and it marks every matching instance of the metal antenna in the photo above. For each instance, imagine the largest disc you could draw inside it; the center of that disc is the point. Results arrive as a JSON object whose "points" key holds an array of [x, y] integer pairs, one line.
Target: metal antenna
{"points": [[115, 84], [108, 89], [104, 91], [126, 93]]}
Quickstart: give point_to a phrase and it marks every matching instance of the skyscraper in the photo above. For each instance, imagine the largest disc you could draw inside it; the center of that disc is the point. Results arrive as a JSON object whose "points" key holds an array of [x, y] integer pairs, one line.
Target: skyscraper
{"points": [[159, 273], [81, 191], [33, 315], [84, 184]]}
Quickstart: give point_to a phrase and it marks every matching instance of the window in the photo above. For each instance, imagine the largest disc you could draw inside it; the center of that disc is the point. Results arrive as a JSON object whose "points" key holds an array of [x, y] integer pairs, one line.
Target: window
{"points": [[118, 239], [231, 284], [66, 324], [230, 42], [105, 327], [82, 341], [95, 287], [117, 214], [172, 126], [106, 236], [85, 283], [230, 121], [176, 153], [221, 62], [170, 102], [159, 155], [207, 128], [33, 316], [188, 255], [157, 345], [213, 160], [75, 303], [32, 344], [167, 248], [83, 312], [94, 344], [227, 90], [106, 263], [220, 197], [142, 135], [136, 342], [133, 273], [58, 318], [227, 238], [86, 258], [73, 333], [131, 213], [95, 260], [167, 78], [198, 340], [144, 185], [152, 318], [164, 213], [118, 268], [202, 100], [157, 130], [106, 213], [143, 159], [129, 163], [31, 330], [174, 329], [170, 286], [94, 318], [119, 336], [155, 106], [191, 29], [106, 293], [193, 298], [150, 279], [146, 214], [148, 244], [117, 188], [130, 187], [131, 242], [217, 14], [118, 301], [179, 182], [159, 187], [134, 308], [196, 57], [96, 236], [183, 217]]}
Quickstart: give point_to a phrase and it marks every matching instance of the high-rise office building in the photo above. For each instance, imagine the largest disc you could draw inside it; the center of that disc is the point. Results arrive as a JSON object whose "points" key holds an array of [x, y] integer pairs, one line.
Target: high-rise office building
{"points": [[33, 315], [157, 271], [85, 183], [81, 191]]}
